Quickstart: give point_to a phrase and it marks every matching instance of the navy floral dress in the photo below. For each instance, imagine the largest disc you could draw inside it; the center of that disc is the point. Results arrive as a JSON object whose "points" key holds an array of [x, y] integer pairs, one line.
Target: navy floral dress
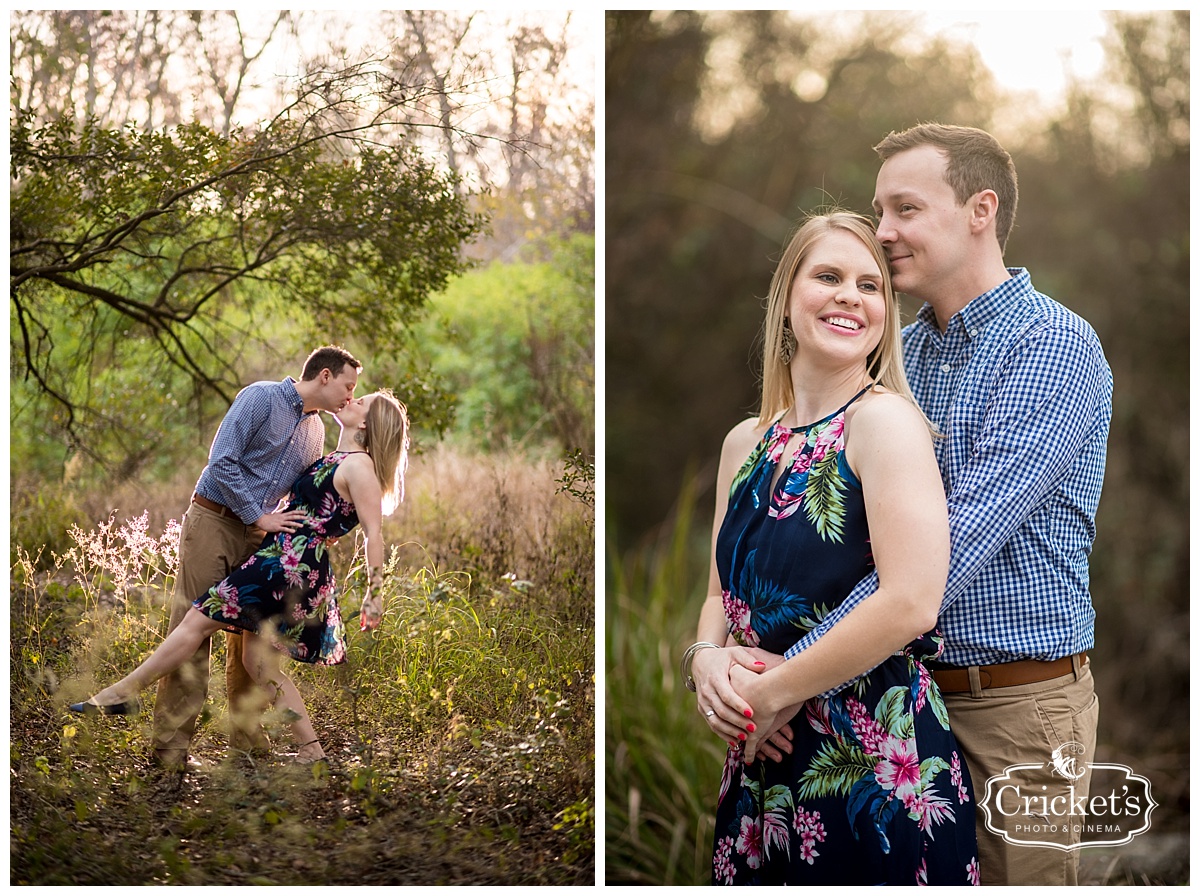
{"points": [[875, 790], [288, 583]]}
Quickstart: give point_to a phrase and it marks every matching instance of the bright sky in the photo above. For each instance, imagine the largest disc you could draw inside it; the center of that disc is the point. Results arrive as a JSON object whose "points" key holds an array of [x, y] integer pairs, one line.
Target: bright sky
{"points": [[1027, 50]]}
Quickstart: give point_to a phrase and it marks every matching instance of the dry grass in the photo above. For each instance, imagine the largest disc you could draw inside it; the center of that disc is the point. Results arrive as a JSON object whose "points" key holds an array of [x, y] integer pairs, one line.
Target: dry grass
{"points": [[461, 733]]}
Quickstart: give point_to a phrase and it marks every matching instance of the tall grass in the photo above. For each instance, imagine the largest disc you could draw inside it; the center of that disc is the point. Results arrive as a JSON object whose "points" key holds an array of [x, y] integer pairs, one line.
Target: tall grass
{"points": [[470, 710], [663, 765]]}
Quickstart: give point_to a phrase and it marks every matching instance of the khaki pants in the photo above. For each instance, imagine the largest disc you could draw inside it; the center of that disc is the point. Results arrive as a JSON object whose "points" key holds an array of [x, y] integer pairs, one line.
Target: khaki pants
{"points": [[1001, 727], [210, 547]]}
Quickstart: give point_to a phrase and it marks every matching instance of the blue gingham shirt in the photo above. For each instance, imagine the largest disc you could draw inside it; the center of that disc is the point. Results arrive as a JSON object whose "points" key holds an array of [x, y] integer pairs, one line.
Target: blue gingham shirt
{"points": [[264, 443], [1021, 390]]}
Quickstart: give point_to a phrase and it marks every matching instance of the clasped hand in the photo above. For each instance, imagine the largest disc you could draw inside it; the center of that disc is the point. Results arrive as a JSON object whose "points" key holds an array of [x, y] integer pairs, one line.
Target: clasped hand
{"points": [[728, 686]]}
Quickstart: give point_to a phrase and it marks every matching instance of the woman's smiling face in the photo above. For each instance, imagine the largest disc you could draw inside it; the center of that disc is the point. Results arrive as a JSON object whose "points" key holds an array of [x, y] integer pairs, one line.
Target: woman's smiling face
{"points": [[836, 304]]}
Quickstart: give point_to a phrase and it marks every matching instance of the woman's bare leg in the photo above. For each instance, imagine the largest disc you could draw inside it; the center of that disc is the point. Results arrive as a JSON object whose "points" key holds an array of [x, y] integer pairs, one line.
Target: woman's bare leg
{"points": [[262, 661], [175, 649]]}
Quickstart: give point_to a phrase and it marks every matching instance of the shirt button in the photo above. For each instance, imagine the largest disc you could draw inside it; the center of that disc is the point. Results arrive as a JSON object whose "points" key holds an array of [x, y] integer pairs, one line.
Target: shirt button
{"points": [[945, 368], [974, 332]]}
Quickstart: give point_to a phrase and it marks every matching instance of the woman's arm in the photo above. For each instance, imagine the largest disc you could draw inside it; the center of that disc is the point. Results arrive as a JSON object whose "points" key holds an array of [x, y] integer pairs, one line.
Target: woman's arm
{"points": [[889, 448], [358, 482], [711, 666]]}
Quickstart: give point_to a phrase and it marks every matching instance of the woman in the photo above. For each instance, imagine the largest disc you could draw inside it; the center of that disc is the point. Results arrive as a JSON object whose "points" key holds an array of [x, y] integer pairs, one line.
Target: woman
{"points": [[284, 595], [835, 477]]}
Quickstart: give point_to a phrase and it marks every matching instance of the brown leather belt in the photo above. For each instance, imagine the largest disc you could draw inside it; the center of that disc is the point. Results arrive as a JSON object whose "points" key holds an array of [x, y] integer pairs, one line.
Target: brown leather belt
{"points": [[957, 679], [214, 506]]}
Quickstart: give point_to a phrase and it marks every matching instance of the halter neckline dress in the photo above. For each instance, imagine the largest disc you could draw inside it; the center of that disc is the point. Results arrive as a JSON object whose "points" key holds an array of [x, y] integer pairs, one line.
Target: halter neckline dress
{"points": [[875, 789]]}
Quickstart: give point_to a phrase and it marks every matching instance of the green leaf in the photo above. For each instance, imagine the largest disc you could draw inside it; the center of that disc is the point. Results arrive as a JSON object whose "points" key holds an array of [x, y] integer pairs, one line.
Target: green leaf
{"points": [[749, 466], [892, 713], [835, 769], [823, 497]]}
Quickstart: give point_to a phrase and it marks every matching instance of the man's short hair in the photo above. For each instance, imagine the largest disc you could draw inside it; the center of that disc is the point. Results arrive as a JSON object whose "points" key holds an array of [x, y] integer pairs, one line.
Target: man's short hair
{"points": [[333, 357], [975, 161]]}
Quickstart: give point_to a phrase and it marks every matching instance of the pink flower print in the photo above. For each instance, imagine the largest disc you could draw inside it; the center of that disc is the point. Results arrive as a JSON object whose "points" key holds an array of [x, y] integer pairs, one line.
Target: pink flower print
{"points": [[299, 612], [788, 504], [329, 504], [737, 617], [923, 682], [973, 872], [808, 825], [868, 731], [955, 770], [228, 595], [829, 437], [927, 808], [802, 464], [733, 767], [314, 576], [900, 767], [723, 868], [778, 443], [817, 713], [749, 841], [956, 778], [290, 561], [922, 874]]}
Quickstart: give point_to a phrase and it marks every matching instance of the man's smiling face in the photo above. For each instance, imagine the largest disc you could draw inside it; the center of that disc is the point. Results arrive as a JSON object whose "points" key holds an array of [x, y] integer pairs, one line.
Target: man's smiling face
{"points": [[921, 224]]}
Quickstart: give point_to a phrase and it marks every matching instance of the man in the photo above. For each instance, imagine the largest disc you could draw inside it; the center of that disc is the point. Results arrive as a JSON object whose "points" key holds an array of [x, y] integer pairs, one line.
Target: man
{"points": [[1022, 394], [270, 435]]}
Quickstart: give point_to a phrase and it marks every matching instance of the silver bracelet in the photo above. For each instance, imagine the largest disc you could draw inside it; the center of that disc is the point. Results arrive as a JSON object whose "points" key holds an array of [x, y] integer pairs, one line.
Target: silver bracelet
{"points": [[685, 664]]}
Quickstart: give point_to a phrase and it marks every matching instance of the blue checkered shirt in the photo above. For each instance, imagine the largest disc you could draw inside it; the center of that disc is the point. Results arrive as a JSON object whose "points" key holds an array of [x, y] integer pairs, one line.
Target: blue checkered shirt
{"points": [[264, 443], [1021, 390]]}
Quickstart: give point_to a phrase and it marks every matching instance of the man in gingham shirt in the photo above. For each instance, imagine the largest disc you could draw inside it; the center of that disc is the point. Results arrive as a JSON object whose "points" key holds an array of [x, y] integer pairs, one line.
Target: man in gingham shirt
{"points": [[1022, 394], [270, 435]]}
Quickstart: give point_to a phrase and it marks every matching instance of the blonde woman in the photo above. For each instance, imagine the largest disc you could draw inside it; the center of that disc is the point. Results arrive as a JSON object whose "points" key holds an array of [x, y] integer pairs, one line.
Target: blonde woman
{"points": [[284, 597], [835, 477]]}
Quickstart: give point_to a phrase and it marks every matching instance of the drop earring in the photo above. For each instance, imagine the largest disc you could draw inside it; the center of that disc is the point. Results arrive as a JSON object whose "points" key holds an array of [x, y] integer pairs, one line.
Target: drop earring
{"points": [[787, 345]]}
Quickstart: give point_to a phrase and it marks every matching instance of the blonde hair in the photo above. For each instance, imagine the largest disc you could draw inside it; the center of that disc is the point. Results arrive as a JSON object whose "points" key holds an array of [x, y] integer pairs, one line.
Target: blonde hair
{"points": [[885, 365], [386, 440]]}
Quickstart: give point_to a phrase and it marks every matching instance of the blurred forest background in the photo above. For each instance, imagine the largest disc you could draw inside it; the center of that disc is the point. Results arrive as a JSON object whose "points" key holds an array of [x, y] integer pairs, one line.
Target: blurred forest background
{"points": [[722, 129], [198, 199]]}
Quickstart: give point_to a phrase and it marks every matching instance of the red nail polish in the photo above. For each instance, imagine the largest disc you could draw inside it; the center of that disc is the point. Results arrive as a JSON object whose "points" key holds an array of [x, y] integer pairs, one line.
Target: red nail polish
{"points": [[749, 713], [759, 664], [750, 727], [741, 737]]}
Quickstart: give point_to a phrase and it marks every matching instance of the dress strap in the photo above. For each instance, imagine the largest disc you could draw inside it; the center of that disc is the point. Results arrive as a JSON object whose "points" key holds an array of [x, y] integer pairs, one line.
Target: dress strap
{"points": [[864, 391], [779, 425]]}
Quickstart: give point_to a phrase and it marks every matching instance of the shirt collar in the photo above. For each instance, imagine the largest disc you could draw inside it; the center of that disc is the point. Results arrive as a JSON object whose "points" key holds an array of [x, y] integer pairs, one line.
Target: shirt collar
{"points": [[982, 310], [289, 387]]}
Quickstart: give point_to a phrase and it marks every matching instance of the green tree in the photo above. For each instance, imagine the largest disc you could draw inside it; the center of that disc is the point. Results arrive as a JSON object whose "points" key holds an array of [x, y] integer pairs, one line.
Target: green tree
{"points": [[514, 340], [708, 165], [187, 238]]}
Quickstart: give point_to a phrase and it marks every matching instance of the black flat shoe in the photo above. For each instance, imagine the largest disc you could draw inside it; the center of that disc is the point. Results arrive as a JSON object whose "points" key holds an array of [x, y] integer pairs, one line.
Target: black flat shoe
{"points": [[125, 708]]}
